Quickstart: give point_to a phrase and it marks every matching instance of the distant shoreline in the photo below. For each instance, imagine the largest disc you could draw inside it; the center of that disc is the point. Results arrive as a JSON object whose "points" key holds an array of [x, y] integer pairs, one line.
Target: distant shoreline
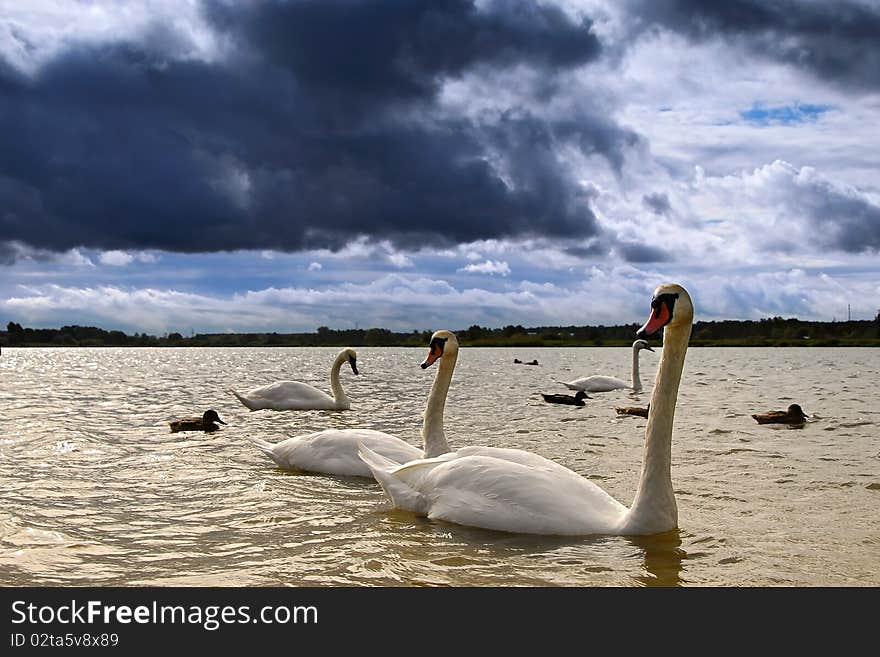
{"points": [[772, 332], [697, 345]]}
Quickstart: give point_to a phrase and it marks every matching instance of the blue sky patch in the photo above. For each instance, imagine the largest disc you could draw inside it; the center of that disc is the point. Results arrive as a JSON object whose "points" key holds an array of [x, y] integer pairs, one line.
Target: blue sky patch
{"points": [[784, 114]]}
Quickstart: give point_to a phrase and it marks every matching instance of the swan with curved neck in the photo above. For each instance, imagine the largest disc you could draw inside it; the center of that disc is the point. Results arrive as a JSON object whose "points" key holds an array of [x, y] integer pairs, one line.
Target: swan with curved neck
{"points": [[600, 383], [298, 396], [335, 451], [443, 347], [517, 491]]}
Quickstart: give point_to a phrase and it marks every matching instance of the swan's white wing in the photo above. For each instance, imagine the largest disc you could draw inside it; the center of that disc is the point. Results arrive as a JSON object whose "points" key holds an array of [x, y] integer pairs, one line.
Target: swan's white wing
{"points": [[335, 451], [287, 395], [492, 493], [520, 493], [520, 456], [596, 383]]}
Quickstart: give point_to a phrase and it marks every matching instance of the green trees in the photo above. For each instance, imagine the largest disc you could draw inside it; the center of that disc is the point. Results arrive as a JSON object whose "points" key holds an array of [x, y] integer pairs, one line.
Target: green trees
{"points": [[773, 331]]}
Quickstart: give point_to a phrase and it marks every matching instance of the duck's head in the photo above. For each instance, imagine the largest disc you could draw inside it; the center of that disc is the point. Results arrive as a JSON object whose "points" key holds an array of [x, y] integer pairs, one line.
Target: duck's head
{"points": [[671, 306], [795, 409], [580, 394], [442, 342], [352, 356], [211, 416], [638, 345]]}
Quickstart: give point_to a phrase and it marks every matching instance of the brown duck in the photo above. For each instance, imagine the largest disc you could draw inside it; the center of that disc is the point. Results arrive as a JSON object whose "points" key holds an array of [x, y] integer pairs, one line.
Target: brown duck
{"points": [[632, 410], [205, 423], [793, 415], [571, 400]]}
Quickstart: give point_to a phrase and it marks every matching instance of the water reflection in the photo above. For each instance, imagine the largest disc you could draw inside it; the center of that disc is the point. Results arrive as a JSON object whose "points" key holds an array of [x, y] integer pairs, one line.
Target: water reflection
{"points": [[658, 563], [663, 556]]}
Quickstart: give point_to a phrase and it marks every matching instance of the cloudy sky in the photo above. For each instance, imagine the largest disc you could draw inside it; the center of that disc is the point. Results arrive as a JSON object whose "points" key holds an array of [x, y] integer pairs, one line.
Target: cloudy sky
{"points": [[210, 165]]}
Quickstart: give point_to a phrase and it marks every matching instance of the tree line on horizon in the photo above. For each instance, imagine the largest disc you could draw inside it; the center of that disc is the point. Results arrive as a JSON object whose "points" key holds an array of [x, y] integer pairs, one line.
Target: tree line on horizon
{"points": [[770, 332]]}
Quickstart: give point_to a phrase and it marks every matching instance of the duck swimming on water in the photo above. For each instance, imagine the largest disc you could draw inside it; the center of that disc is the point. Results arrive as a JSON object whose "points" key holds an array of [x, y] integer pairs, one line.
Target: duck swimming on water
{"points": [[632, 410], [205, 423], [573, 400], [792, 415]]}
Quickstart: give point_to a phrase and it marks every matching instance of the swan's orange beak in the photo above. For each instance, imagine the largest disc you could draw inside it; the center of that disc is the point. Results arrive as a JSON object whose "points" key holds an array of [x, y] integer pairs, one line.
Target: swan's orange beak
{"points": [[659, 318], [434, 352]]}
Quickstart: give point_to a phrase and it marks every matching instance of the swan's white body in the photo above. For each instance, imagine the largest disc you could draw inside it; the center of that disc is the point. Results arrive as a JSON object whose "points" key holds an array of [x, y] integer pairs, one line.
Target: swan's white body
{"points": [[298, 396], [517, 491], [600, 383], [335, 451]]}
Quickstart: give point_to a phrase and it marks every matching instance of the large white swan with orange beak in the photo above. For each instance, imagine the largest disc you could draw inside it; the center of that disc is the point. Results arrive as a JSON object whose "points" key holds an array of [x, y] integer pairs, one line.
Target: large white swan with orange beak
{"points": [[517, 491]]}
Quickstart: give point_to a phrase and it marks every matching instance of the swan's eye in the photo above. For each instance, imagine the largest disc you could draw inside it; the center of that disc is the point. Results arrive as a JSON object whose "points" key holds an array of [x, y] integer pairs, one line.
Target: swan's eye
{"points": [[656, 304], [435, 351], [663, 299]]}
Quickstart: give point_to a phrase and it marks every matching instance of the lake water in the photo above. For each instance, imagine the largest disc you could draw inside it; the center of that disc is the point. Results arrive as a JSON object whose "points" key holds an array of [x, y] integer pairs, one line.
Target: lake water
{"points": [[97, 491]]}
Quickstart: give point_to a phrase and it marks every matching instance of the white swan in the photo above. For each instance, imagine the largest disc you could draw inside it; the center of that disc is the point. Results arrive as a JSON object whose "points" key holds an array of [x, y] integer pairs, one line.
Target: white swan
{"points": [[599, 383], [335, 451], [298, 396], [517, 491]]}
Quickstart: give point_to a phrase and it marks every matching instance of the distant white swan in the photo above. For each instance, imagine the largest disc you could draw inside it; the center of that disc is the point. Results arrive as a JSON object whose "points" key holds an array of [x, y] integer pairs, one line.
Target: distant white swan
{"points": [[518, 491], [335, 451], [298, 396], [599, 383]]}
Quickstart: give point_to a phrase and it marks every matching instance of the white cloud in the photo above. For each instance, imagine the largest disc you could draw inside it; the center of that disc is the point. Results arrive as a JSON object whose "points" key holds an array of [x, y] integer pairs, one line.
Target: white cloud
{"points": [[122, 258], [315, 266], [780, 208], [400, 260], [599, 295], [116, 258], [75, 258], [488, 267]]}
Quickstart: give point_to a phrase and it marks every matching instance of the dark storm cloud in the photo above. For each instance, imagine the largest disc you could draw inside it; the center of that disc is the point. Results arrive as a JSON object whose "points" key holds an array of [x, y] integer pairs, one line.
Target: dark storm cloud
{"points": [[322, 124], [658, 202], [398, 49], [584, 251], [12, 252], [838, 41], [8, 253], [838, 219], [639, 253]]}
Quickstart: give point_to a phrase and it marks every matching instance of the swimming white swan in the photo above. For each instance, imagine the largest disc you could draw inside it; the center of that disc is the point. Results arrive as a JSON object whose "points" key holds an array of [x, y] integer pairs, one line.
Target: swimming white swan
{"points": [[518, 491], [335, 451], [599, 383], [297, 396]]}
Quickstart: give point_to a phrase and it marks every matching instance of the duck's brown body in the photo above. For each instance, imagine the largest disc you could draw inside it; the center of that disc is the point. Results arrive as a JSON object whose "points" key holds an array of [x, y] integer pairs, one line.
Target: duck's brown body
{"points": [[793, 415], [205, 423], [571, 400], [632, 410]]}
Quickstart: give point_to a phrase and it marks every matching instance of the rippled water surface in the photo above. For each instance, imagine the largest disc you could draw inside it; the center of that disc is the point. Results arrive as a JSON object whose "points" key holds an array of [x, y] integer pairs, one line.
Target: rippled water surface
{"points": [[97, 491]]}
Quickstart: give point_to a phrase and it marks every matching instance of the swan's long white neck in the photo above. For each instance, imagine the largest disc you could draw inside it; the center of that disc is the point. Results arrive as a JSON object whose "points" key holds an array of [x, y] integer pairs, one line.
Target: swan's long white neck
{"points": [[653, 509], [338, 393], [636, 381], [432, 428]]}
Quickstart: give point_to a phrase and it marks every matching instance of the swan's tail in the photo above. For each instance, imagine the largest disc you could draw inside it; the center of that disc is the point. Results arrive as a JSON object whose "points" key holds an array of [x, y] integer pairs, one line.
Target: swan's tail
{"points": [[267, 448], [243, 400], [402, 496]]}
